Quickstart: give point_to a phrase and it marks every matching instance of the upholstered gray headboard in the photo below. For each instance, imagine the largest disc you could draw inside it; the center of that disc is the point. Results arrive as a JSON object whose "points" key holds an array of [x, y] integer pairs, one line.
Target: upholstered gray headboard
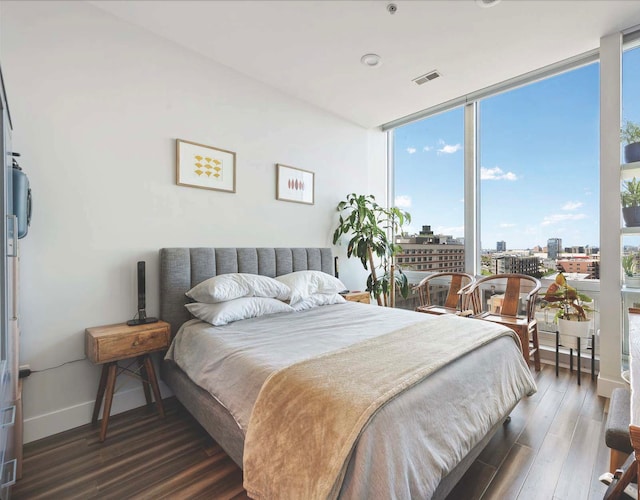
{"points": [[183, 268]]}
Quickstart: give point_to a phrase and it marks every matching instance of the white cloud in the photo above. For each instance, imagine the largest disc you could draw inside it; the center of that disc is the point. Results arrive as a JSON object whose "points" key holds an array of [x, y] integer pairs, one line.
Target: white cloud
{"points": [[557, 218], [411, 150], [403, 201], [572, 205], [496, 174], [427, 148], [507, 224], [449, 148]]}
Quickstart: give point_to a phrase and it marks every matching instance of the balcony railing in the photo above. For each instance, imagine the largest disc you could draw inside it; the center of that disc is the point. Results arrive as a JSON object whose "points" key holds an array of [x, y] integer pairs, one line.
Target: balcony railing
{"points": [[546, 327]]}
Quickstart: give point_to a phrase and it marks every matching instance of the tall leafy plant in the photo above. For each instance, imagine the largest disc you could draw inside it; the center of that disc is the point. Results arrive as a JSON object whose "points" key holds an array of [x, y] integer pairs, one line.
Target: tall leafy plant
{"points": [[372, 229]]}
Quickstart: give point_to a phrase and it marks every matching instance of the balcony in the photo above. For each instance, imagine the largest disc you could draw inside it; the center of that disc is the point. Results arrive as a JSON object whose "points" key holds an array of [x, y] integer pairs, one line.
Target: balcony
{"points": [[546, 327]]}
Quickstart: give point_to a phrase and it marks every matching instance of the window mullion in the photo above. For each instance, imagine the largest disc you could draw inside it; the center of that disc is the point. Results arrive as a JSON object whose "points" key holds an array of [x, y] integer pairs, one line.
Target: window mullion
{"points": [[471, 190]]}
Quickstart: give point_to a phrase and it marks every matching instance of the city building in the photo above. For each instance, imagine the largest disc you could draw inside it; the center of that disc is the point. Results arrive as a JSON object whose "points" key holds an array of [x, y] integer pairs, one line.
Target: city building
{"points": [[501, 246], [430, 252], [580, 265], [554, 247], [521, 264], [575, 249]]}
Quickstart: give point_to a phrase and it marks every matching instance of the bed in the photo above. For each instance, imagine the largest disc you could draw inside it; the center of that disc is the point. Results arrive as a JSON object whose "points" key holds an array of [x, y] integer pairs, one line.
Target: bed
{"points": [[418, 445]]}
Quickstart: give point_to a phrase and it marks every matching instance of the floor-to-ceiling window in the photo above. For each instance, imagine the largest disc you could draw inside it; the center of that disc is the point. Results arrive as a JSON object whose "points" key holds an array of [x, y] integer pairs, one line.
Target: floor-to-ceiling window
{"points": [[539, 171], [537, 155], [538, 166], [429, 183]]}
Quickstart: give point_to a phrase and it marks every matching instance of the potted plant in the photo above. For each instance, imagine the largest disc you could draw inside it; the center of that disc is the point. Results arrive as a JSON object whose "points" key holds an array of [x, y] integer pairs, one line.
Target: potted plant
{"points": [[630, 198], [369, 225], [572, 307], [631, 279], [630, 135]]}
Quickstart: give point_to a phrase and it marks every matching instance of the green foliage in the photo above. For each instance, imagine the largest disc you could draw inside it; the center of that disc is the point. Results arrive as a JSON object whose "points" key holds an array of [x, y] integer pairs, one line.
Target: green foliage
{"points": [[381, 285], [630, 133], [368, 225], [571, 304], [630, 195], [629, 265]]}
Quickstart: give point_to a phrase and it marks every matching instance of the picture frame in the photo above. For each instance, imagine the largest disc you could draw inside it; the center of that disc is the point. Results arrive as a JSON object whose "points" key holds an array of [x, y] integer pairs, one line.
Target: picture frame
{"points": [[295, 184], [205, 167]]}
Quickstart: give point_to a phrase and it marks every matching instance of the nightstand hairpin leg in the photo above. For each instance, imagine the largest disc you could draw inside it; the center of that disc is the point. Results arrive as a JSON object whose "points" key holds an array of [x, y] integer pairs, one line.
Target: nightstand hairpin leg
{"points": [[151, 373], [100, 395], [108, 398], [145, 379]]}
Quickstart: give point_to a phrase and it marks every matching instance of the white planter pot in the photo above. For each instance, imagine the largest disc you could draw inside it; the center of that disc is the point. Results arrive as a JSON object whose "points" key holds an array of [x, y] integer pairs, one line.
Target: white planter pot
{"points": [[632, 281], [570, 330]]}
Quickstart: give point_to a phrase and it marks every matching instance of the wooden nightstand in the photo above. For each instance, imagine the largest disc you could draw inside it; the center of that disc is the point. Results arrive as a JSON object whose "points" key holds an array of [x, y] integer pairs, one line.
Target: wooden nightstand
{"points": [[112, 343], [362, 297]]}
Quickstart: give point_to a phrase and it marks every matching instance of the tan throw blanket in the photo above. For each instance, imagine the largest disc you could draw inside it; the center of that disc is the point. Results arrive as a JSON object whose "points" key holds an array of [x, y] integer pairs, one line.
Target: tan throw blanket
{"points": [[309, 415]]}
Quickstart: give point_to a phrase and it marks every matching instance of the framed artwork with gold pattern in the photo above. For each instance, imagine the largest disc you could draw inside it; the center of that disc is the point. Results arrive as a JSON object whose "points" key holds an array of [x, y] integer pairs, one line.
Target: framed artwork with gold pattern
{"points": [[294, 184], [205, 167]]}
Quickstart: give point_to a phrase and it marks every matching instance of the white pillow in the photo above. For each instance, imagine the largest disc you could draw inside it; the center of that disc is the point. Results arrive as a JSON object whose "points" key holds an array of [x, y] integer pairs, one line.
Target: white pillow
{"points": [[306, 283], [318, 299], [235, 285], [234, 310]]}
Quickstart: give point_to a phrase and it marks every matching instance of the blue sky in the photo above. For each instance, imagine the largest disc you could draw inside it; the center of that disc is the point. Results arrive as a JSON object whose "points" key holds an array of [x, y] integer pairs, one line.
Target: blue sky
{"points": [[539, 159]]}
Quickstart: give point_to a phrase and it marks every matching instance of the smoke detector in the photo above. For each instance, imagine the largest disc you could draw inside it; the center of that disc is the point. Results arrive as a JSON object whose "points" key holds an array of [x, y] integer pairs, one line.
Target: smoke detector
{"points": [[371, 60], [431, 75]]}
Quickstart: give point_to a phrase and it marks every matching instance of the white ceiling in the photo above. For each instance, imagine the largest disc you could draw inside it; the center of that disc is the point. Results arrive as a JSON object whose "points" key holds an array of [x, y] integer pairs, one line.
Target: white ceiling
{"points": [[312, 49]]}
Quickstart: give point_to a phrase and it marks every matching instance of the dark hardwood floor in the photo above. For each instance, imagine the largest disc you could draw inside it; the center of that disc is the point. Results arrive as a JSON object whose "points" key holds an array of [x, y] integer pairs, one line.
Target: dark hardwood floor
{"points": [[553, 448]]}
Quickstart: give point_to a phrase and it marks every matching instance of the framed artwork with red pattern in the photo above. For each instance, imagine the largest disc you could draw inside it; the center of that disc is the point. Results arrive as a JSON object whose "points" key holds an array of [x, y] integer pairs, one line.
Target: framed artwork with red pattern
{"points": [[294, 184]]}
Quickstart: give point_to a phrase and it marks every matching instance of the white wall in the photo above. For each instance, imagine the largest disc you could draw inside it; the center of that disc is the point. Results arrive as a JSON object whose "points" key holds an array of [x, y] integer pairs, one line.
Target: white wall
{"points": [[96, 106]]}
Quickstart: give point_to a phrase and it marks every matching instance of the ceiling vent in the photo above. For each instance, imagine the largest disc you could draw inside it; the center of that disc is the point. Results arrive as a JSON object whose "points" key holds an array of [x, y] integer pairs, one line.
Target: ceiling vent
{"points": [[432, 75]]}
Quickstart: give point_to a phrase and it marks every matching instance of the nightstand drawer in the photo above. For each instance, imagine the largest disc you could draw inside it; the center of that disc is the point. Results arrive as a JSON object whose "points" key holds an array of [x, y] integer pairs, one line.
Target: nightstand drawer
{"points": [[132, 345], [362, 297], [117, 342]]}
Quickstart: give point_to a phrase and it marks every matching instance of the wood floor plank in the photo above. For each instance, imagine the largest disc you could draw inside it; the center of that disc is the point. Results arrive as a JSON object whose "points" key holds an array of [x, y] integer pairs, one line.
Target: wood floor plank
{"points": [[545, 379], [600, 466], [564, 422], [538, 425], [501, 443], [554, 436], [474, 482], [575, 477], [170, 483], [511, 475], [594, 405], [544, 471]]}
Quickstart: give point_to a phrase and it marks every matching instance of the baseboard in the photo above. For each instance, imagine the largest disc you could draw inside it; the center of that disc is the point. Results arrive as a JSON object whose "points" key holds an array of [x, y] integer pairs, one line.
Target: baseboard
{"points": [[48, 424], [607, 385], [548, 357]]}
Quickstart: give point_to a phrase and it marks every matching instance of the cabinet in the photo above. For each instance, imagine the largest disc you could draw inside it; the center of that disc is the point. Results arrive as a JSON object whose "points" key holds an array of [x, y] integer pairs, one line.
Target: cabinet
{"points": [[109, 344], [10, 440]]}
